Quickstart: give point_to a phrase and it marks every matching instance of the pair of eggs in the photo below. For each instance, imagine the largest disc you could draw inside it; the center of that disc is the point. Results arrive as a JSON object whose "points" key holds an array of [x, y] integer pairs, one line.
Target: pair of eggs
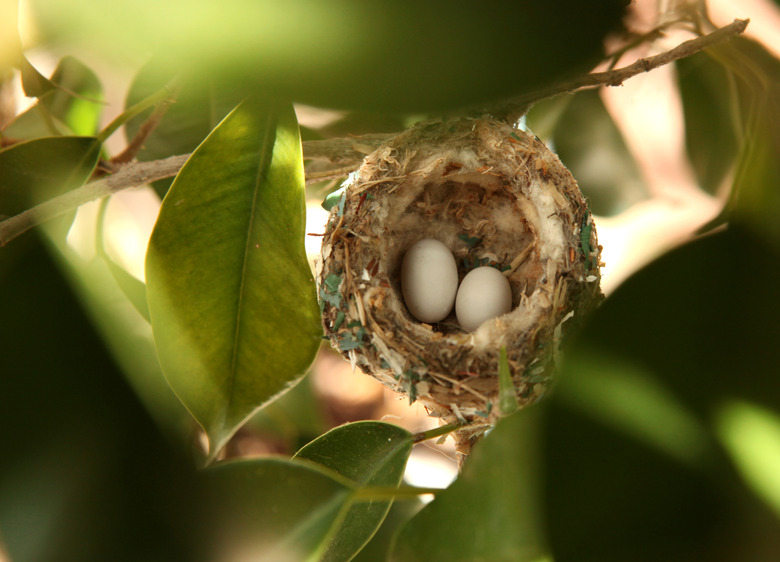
{"points": [[429, 282]]}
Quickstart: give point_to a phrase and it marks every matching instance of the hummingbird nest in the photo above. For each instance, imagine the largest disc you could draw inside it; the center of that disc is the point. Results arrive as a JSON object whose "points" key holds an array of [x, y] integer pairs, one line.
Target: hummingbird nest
{"points": [[494, 195]]}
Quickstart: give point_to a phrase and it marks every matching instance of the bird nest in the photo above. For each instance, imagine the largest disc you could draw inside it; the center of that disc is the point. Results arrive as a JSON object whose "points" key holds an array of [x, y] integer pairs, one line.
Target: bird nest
{"points": [[494, 195]]}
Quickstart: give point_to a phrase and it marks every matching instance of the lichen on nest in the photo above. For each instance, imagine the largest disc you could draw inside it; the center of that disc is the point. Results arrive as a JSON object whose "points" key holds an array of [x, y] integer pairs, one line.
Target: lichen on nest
{"points": [[494, 195]]}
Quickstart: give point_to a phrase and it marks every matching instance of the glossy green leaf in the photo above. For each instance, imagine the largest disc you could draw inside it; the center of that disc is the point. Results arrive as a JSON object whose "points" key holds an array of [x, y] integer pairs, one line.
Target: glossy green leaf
{"points": [[198, 108], [491, 512], [71, 106], [545, 116], [275, 509], [381, 55], [755, 196], [231, 296], [368, 453], [39, 169], [133, 288]]}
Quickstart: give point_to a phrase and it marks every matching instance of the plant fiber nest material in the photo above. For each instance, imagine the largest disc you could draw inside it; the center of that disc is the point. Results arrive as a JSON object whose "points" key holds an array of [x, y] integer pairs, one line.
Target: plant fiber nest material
{"points": [[494, 195]]}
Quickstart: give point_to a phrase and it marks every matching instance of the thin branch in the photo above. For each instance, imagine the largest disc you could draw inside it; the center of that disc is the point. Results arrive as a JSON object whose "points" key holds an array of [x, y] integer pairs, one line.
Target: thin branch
{"points": [[518, 107], [348, 152], [147, 128], [344, 153], [173, 89]]}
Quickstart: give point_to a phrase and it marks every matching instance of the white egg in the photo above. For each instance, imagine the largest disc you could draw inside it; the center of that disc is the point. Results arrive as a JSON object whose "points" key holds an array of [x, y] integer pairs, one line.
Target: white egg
{"points": [[429, 280], [484, 294]]}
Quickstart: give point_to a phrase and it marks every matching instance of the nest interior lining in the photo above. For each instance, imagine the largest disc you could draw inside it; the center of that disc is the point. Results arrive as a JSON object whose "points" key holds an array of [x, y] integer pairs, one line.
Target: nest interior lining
{"points": [[479, 221]]}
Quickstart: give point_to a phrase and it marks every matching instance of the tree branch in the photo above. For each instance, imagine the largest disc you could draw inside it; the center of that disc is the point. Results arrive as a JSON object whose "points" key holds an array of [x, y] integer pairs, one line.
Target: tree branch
{"points": [[345, 154], [517, 107]]}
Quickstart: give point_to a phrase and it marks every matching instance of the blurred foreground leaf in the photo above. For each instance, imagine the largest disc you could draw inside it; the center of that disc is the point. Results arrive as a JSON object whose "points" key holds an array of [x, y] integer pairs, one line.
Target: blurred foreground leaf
{"points": [[382, 55], [231, 296], [491, 511], [634, 462], [85, 475], [369, 454]]}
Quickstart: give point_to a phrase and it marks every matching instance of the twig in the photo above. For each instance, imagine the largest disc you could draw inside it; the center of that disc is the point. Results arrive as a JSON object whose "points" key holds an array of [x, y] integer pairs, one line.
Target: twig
{"points": [[348, 152], [519, 106], [345, 153], [147, 128]]}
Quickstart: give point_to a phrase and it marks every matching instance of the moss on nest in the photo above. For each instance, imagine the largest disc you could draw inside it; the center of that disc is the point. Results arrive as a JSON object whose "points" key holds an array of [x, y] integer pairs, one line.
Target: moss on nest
{"points": [[495, 196]]}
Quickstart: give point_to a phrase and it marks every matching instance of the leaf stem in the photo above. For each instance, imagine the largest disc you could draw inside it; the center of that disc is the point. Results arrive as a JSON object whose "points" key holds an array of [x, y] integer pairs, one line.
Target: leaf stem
{"points": [[435, 432], [380, 493], [167, 92]]}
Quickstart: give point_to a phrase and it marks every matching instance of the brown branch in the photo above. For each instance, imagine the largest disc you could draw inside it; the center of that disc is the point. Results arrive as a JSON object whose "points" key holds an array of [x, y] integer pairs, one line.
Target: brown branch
{"points": [[347, 153], [519, 106], [146, 129], [344, 153]]}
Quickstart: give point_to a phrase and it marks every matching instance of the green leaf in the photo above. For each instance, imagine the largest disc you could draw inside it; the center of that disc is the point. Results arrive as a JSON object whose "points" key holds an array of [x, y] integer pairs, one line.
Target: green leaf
{"points": [[710, 122], [368, 453], [34, 84], [134, 289], [71, 106], [382, 55], [231, 296], [39, 169], [275, 509], [590, 145], [378, 548], [85, 473], [491, 511], [631, 437], [199, 107], [753, 73]]}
